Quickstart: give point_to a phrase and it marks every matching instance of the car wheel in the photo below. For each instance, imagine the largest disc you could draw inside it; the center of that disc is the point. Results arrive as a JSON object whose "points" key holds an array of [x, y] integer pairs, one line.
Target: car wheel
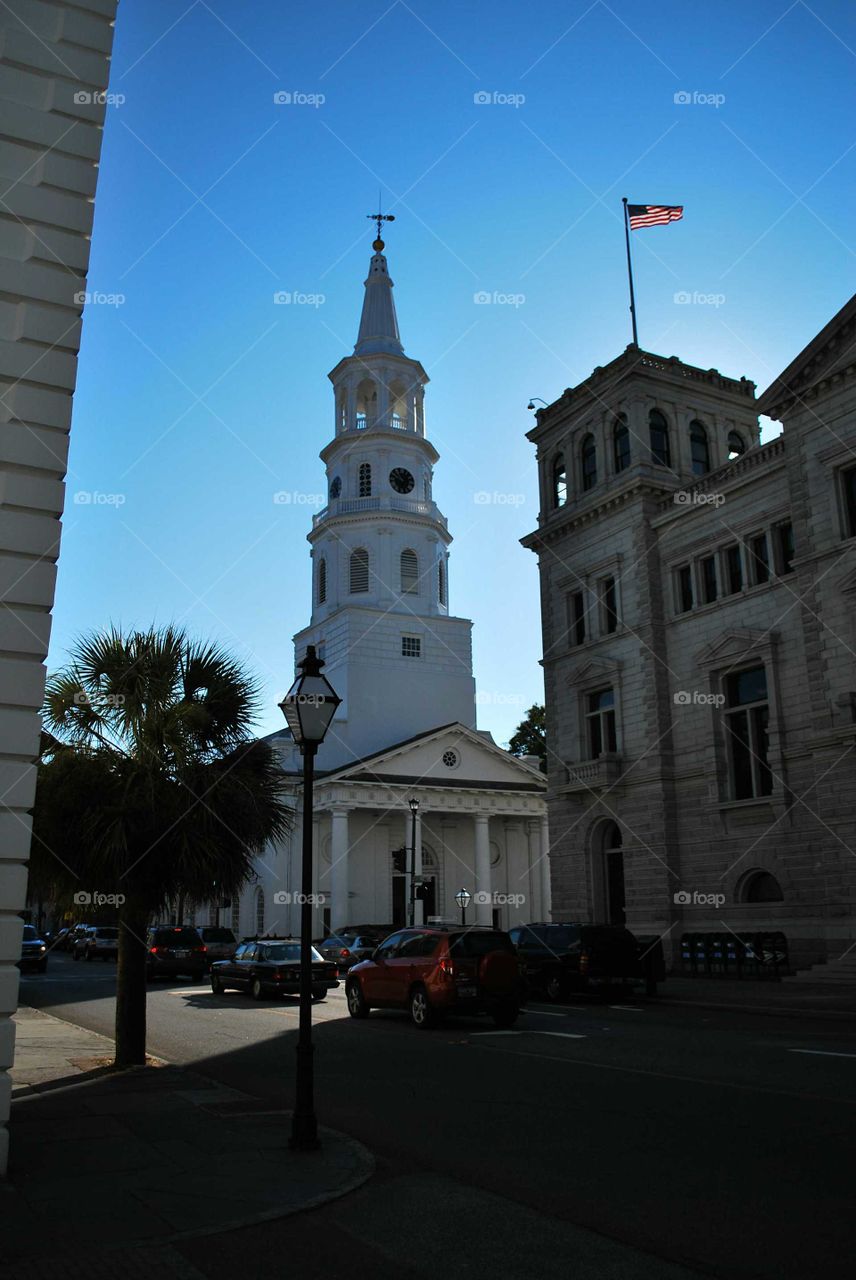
{"points": [[357, 1006], [554, 988], [256, 989], [90, 955], [422, 1014], [42, 967], [319, 993], [217, 984], [506, 1016]]}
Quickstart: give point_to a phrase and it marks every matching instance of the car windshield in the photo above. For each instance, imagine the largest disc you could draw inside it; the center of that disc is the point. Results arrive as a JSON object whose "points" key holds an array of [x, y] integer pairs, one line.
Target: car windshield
{"points": [[286, 951], [107, 933], [177, 938], [479, 943], [30, 934], [213, 934]]}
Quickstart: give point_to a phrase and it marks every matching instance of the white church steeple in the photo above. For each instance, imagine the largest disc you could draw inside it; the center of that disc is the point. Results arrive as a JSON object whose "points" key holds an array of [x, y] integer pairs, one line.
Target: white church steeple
{"points": [[380, 582]]}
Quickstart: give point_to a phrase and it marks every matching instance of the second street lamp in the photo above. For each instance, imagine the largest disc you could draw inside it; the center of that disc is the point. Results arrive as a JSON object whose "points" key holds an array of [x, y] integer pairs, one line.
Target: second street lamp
{"points": [[308, 707], [414, 809], [463, 898]]}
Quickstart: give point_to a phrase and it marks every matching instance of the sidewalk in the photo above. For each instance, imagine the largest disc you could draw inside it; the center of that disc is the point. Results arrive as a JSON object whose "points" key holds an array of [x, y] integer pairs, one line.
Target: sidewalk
{"points": [[104, 1160], [804, 999]]}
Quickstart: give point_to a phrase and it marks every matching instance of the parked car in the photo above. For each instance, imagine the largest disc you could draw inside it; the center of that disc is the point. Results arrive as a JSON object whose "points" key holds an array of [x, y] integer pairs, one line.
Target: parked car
{"points": [[220, 943], [347, 949], [34, 950], [100, 942], [173, 950], [76, 936], [272, 967], [62, 940], [560, 958], [432, 972]]}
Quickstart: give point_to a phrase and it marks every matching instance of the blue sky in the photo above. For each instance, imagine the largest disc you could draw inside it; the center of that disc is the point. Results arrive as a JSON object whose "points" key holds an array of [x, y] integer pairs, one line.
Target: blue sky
{"points": [[198, 398]]}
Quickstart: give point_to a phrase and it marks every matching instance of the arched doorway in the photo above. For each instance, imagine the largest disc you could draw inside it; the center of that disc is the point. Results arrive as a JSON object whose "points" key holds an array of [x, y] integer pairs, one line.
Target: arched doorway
{"points": [[610, 901]]}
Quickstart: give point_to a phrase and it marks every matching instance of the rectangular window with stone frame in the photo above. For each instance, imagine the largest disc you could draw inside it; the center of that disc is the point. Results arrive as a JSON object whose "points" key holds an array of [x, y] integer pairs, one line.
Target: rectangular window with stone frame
{"points": [[600, 723], [848, 500], [746, 721], [575, 603]]}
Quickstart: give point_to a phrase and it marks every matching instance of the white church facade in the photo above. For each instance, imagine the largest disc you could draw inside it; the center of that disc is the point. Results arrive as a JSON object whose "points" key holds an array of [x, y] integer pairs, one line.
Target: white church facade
{"points": [[402, 664]]}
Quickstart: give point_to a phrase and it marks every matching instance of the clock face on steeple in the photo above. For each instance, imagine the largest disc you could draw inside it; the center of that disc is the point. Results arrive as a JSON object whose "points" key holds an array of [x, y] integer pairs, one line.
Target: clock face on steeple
{"points": [[401, 480]]}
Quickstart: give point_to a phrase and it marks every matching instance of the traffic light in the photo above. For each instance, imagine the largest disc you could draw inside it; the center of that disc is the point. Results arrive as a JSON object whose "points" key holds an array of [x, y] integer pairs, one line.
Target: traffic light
{"points": [[399, 861]]}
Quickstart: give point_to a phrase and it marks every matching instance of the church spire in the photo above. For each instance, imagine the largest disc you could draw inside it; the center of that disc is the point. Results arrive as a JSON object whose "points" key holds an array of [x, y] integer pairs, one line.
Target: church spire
{"points": [[378, 322]]}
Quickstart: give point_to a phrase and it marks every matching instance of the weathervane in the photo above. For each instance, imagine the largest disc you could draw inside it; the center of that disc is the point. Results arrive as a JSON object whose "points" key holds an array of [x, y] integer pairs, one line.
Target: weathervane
{"points": [[380, 218]]}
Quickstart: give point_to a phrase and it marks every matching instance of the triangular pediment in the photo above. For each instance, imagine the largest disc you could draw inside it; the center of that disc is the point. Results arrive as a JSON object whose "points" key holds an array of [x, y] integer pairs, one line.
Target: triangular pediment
{"points": [[736, 645], [451, 755], [830, 352], [592, 671]]}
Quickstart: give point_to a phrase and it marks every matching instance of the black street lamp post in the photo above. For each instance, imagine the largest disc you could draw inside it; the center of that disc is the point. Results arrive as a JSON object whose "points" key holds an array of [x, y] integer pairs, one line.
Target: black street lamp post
{"points": [[463, 898], [309, 707], [414, 809]]}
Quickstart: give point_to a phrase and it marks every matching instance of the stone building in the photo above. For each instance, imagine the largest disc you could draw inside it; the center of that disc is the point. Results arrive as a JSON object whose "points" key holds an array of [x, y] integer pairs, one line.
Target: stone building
{"points": [[699, 632], [54, 68], [402, 663]]}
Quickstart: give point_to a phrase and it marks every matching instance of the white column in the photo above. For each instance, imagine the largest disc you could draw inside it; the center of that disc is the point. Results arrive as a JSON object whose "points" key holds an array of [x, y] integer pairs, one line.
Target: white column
{"points": [[546, 896], [481, 823], [339, 850]]}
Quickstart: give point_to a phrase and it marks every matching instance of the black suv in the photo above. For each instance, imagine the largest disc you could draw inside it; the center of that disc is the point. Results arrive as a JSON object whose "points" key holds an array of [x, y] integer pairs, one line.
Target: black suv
{"points": [[175, 950], [562, 958], [271, 966], [34, 950]]}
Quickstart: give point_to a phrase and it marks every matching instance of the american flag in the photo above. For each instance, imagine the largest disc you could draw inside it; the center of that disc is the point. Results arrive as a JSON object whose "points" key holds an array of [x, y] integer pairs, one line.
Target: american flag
{"points": [[653, 215]]}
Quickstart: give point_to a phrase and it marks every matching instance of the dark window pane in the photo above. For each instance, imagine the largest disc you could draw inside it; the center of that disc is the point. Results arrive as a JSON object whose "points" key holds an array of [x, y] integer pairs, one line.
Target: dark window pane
{"points": [[741, 756], [785, 547], [699, 449], [760, 559], [734, 569], [560, 482], [588, 456], [610, 610], [708, 578], [595, 737], [736, 445], [659, 437], [577, 618], [742, 687], [609, 731], [621, 440], [685, 588]]}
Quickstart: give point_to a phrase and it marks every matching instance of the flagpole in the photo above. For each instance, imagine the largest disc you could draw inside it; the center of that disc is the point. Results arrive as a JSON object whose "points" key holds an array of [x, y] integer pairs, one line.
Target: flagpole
{"points": [[630, 273]]}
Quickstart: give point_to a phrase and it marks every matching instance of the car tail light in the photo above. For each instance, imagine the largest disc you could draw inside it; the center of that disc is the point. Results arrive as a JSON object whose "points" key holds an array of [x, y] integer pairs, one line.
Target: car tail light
{"points": [[584, 961], [446, 969], [153, 951], [202, 948], [335, 973], [344, 953]]}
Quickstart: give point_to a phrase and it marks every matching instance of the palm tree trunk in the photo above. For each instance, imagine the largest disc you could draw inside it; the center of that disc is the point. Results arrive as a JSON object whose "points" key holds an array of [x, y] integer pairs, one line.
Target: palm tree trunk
{"points": [[131, 985]]}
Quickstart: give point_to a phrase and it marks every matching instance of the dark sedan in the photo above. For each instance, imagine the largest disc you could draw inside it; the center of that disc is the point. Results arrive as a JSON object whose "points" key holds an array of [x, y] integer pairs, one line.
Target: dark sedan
{"points": [[34, 950], [265, 968]]}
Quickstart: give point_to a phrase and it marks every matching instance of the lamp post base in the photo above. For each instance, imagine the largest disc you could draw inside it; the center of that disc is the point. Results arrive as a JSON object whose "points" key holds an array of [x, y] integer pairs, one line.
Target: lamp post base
{"points": [[304, 1124], [304, 1134]]}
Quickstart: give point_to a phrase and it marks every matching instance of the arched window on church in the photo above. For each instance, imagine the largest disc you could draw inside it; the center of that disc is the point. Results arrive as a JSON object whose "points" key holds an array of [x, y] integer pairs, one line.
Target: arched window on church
{"points": [[322, 580], [621, 443], [588, 462], [736, 445], [441, 581], [359, 571], [658, 430], [364, 479], [699, 448], [560, 481], [409, 572]]}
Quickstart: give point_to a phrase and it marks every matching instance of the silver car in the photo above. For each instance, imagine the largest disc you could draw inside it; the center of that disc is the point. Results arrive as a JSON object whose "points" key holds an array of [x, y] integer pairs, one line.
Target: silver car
{"points": [[220, 943]]}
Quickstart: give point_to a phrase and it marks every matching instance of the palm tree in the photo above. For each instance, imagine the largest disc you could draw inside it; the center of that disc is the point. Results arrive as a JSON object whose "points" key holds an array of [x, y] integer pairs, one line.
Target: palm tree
{"points": [[151, 785]]}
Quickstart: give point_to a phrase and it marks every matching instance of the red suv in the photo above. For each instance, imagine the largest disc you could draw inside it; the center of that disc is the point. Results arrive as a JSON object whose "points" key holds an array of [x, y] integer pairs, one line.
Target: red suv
{"points": [[432, 972]]}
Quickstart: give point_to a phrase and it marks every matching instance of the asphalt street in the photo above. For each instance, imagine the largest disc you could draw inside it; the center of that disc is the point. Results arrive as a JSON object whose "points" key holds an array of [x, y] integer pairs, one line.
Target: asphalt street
{"points": [[719, 1141]]}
